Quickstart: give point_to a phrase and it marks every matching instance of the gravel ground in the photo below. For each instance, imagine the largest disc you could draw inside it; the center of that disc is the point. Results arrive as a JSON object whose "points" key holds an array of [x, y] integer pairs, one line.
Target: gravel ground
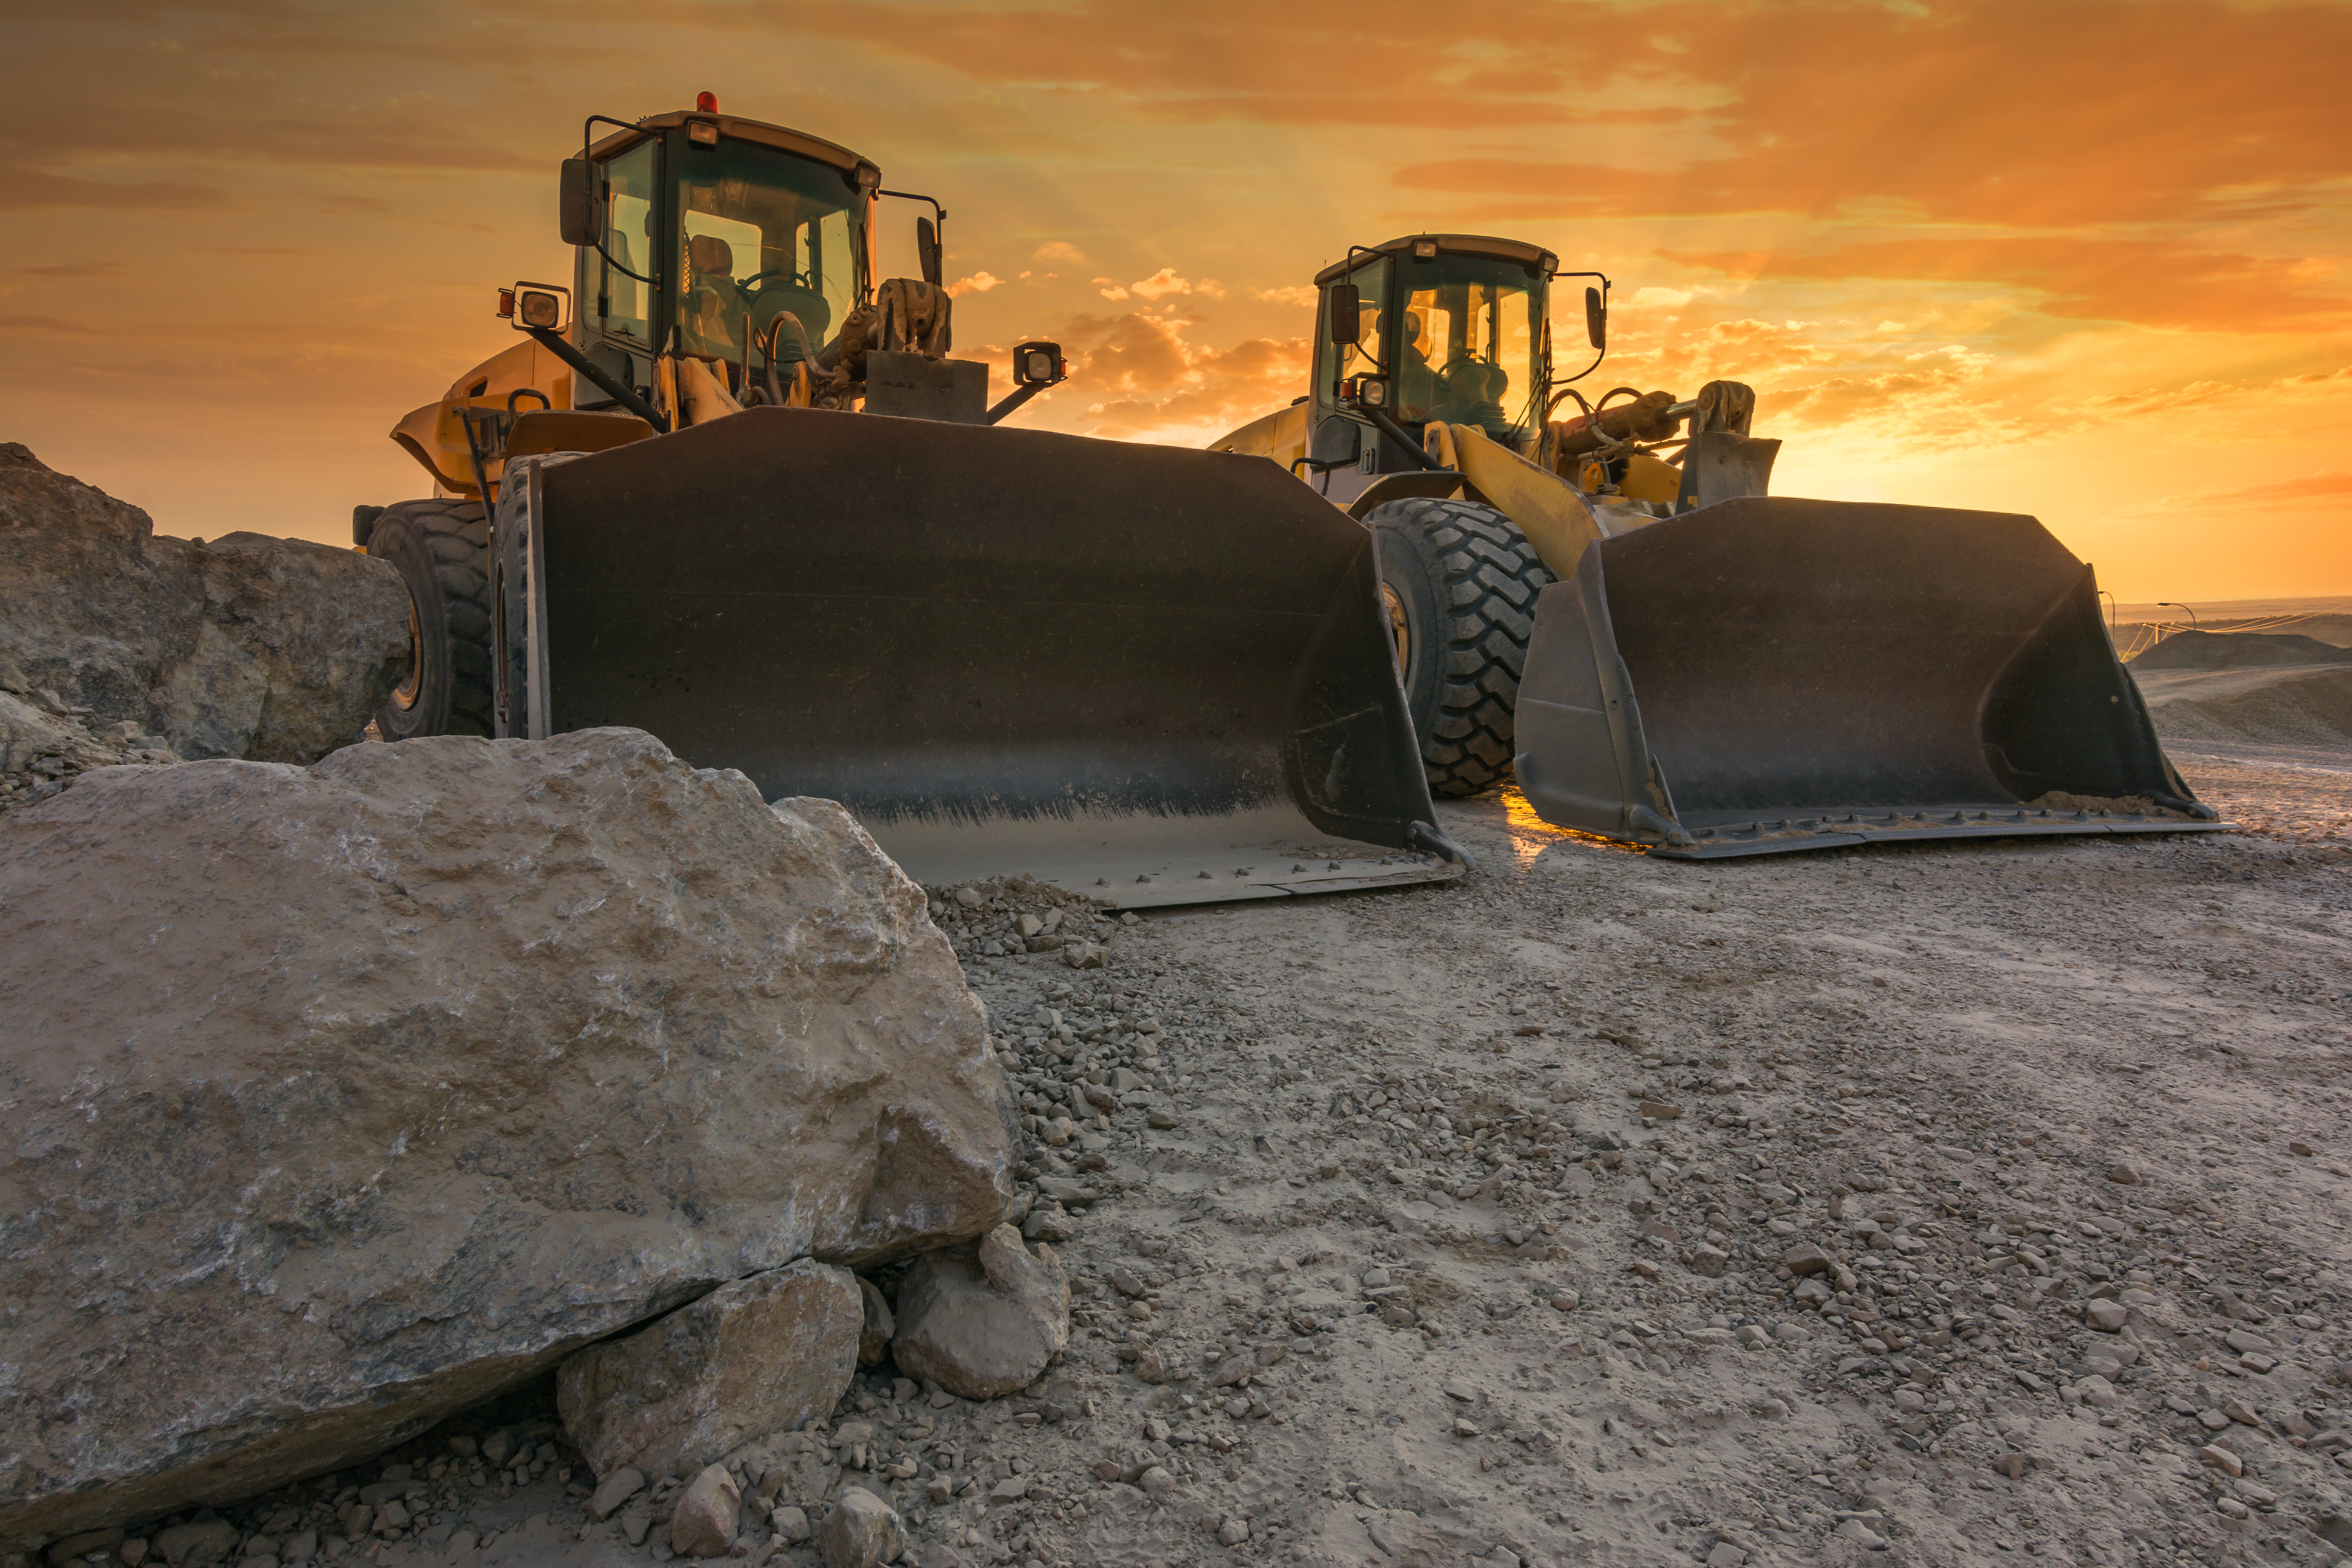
{"points": [[1932, 1203]]}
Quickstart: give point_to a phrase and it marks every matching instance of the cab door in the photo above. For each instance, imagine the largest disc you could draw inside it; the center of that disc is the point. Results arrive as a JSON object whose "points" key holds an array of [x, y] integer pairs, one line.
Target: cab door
{"points": [[1339, 438]]}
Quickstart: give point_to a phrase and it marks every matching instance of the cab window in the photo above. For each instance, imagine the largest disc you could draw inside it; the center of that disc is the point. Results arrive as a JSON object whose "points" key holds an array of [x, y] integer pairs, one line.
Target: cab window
{"points": [[1469, 339], [622, 302], [763, 235]]}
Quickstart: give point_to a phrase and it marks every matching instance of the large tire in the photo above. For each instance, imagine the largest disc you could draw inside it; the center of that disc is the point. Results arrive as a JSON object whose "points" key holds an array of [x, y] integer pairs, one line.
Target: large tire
{"points": [[1460, 582], [441, 549]]}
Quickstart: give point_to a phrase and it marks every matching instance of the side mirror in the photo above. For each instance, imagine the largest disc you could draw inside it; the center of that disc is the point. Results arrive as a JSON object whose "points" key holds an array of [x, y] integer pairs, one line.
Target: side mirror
{"points": [[1596, 319], [926, 247], [1347, 313], [576, 210]]}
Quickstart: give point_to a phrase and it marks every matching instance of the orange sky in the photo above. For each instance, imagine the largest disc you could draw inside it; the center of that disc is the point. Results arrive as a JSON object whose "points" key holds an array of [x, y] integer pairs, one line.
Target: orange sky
{"points": [[2087, 260]]}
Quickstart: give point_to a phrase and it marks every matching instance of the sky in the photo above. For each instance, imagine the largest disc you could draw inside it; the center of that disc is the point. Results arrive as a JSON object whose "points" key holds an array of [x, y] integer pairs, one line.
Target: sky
{"points": [[2081, 258]]}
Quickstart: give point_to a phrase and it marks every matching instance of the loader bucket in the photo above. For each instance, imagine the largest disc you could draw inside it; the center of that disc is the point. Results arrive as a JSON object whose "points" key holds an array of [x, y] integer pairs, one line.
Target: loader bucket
{"points": [[1148, 674], [1776, 674]]}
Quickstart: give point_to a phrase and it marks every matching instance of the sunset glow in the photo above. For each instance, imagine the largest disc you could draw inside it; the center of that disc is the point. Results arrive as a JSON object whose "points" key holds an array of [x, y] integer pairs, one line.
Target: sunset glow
{"points": [[2087, 260]]}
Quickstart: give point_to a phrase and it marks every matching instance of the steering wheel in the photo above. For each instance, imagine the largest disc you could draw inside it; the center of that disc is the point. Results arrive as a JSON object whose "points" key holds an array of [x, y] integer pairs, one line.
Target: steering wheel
{"points": [[1474, 378], [797, 279]]}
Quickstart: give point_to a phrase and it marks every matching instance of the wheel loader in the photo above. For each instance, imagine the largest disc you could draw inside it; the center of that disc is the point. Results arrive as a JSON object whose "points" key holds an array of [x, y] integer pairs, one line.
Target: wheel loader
{"points": [[1610, 606], [742, 497]]}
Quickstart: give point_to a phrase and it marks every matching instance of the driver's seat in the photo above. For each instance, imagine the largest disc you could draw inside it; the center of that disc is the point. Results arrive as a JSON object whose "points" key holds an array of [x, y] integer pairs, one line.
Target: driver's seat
{"points": [[710, 324]]}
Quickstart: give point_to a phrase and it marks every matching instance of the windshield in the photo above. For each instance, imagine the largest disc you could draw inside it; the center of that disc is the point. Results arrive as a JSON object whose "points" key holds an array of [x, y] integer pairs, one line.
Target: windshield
{"points": [[765, 235], [1470, 338]]}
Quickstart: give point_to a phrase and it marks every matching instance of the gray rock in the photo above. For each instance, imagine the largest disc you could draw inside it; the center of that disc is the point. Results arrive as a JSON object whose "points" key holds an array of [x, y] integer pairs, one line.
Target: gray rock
{"points": [[860, 1531], [704, 1524], [792, 1524], [270, 649], [2107, 1317], [1860, 1534], [1806, 1258], [874, 1334], [982, 1321], [374, 1089], [82, 1545], [1065, 1190], [613, 1491], [759, 1355], [196, 1545]]}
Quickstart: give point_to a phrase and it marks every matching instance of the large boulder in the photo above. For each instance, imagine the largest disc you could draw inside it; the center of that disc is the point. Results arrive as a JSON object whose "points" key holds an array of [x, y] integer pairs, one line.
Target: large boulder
{"points": [[273, 649], [982, 1321], [333, 1099], [760, 1356]]}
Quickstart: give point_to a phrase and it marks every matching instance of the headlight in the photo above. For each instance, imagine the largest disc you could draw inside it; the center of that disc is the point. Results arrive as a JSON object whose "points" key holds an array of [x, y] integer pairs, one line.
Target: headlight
{"points": [[536, 307], [1037, 364], [1374, 394]]}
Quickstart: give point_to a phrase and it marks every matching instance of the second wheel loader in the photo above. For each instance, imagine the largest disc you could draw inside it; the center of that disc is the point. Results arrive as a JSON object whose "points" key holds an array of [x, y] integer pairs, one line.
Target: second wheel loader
{"points": [[742, 499], [1611, 607]]}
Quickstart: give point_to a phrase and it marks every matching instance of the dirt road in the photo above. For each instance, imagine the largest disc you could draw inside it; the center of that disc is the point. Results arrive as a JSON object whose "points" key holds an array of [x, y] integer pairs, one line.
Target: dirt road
{"points": [[1923, 1204]]}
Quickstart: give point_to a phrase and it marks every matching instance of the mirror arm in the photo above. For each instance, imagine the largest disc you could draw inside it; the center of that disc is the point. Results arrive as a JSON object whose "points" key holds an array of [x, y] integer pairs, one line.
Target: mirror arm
{"points": [[939, 217]]}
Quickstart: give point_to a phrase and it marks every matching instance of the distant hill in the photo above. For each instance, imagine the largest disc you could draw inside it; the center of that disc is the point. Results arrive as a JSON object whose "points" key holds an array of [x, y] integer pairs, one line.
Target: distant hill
{"points": [[2240, 651], [2293, 706]]}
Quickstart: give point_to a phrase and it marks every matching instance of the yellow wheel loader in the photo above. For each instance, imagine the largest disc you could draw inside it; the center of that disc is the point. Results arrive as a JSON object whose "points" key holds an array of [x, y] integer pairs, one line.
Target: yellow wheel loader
{"points": [[1610, 606], [742, 497]]}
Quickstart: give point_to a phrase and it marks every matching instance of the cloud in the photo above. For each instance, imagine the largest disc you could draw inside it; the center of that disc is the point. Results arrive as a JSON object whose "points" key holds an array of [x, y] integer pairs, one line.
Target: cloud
{"points": [[1059, 250], [1140, 377], [2328, 493], [2151, 282], [1163, 283], [2117, 112], [74, 269], [978, 283], [33, 190], [2330, 487], [1113, 290], [1303, 294], [2009, 111]]}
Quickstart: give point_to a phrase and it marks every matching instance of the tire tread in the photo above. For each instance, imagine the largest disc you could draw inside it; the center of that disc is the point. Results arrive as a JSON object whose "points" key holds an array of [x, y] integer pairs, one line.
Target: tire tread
{"points": [[1486, 606]]}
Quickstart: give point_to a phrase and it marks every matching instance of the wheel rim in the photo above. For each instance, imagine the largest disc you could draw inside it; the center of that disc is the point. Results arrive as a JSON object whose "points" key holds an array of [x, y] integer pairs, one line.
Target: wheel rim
{"points": [[404, 696], [1400, 630]]}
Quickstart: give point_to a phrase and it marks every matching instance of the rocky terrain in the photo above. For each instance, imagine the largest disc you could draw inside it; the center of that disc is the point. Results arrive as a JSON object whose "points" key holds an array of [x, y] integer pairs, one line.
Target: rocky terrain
{"points": [[118, 646], [337, 1100], [499, 1155], [1938, 1204]]}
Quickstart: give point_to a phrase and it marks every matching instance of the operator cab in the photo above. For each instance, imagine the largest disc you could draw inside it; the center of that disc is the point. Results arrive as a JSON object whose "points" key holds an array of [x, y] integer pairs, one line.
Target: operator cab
{"points": [[725, 239], [1447, 328]]}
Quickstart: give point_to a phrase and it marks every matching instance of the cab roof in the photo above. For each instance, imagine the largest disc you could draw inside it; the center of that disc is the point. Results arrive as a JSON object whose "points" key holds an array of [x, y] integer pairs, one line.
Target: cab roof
{"points": [[1514, 251], [815, 148]]}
